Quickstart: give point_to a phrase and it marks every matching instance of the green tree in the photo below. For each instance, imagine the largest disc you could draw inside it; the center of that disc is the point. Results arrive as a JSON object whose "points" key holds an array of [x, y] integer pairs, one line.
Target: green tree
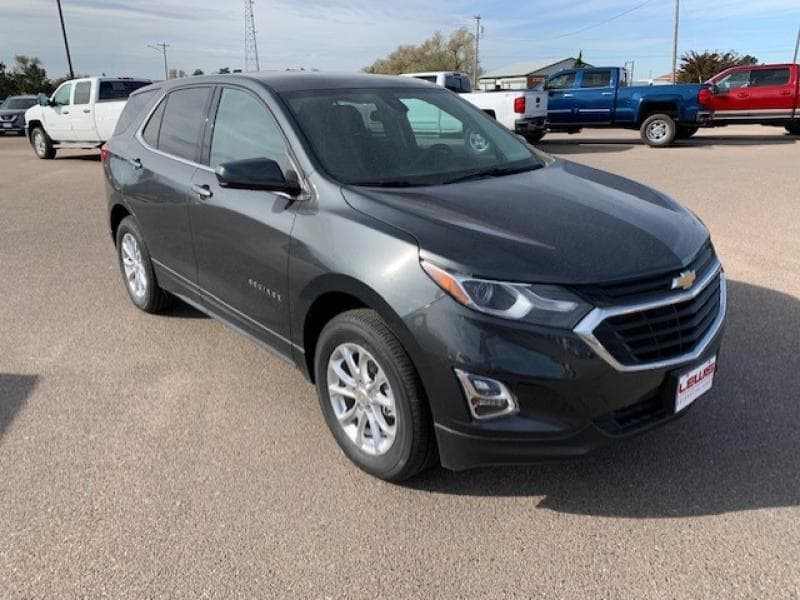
{"points": [[698, 67], [579, 61], [30, 75], [437, 53]]}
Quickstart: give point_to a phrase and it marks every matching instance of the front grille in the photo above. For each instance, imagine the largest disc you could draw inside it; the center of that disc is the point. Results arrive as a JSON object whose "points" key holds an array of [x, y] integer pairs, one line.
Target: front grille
{"points": [[642, 290], [7, 117], [635, 417], [661, 333]]}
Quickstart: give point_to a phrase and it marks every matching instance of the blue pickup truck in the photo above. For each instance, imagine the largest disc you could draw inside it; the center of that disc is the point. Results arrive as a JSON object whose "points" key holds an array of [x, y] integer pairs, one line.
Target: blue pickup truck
{"points": [[601, 97]]}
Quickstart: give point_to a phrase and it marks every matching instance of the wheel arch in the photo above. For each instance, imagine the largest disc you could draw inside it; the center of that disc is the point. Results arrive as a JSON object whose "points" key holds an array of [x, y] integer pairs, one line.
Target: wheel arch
{"points": [[33, 124], [665, 106], [118, 212]]}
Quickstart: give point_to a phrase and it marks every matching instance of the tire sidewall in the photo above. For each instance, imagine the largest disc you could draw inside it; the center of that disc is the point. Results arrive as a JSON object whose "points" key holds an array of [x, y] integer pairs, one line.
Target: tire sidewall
{"points": [[146, 302], [48, 150], [668, 139], [342, 331]]}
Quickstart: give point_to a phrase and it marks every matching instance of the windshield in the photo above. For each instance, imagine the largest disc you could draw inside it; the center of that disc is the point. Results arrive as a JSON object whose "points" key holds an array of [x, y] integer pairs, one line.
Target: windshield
{"points": [[17, 103], [404, 137]]}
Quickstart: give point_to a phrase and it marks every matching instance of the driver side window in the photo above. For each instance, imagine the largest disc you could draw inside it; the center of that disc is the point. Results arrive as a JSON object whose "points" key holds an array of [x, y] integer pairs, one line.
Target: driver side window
{"points": [[734, 81], [62, 95]]}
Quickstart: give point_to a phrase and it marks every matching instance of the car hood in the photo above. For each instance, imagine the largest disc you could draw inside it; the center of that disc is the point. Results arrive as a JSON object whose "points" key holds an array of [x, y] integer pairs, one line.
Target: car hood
{"points": [[564, 223]]}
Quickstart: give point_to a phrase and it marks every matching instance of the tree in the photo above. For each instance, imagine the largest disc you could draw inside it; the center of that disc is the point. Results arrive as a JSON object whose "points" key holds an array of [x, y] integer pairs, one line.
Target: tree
{"points": [[197, 72], [579, 61], [698, 67], [437, 53]]}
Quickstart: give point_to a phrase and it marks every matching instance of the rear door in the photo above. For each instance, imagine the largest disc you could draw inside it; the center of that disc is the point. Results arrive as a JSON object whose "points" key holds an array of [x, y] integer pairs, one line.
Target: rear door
{"points": [[57, 117], [81, 117], [594, 96], [772, 92], [242, 236], [161, 178], [561, 97]]}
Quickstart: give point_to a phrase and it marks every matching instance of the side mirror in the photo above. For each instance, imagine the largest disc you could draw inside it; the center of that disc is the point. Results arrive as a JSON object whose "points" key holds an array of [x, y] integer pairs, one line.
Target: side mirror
{"points": [[43, 100], [256, 174]]}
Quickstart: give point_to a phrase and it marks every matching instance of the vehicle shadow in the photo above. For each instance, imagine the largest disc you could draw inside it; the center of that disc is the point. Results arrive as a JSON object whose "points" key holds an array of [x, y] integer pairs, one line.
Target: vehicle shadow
{"points": [[582, 145], [182, 310], [86, 157], [563, 147], [737, 448], [14, 392]]}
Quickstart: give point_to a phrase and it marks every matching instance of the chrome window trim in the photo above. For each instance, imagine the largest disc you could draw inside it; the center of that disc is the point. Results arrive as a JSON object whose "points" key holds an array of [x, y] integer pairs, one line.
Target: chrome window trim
{"points": [[585, 329]]}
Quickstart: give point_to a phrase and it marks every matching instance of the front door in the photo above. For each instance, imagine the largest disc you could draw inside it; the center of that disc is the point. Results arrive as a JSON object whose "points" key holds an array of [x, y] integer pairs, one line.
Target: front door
{"points": [[57, 116], [594, 97], [732, 98], [561, 98], [242, 236]]}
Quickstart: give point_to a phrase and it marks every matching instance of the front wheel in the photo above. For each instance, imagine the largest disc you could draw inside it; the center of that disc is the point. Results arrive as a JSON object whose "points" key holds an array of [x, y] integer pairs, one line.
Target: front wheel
{"points": [[372, 398], [42, 144], [658, 131]]}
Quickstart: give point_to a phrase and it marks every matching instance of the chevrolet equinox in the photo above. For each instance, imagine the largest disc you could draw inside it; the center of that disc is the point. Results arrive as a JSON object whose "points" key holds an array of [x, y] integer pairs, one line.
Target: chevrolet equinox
{"points": [[457, 296]]}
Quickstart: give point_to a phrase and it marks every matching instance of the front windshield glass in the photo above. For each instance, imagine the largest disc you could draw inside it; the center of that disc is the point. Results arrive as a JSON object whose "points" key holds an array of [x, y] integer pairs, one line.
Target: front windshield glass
{"points": [[17, 103], [405, 137]]}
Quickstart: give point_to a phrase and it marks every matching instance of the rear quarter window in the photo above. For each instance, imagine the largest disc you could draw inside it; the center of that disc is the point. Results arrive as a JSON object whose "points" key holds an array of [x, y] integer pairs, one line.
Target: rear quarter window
{"points": [[134, 110]]}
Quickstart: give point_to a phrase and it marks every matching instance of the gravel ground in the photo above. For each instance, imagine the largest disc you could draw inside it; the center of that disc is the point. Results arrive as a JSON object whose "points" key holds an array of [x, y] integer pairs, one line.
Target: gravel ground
{"points": [[169, 457]]}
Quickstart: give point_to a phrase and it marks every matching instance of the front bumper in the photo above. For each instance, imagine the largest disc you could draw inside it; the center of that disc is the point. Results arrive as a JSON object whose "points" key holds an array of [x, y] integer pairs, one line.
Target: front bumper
{"points": [[571, 399]]}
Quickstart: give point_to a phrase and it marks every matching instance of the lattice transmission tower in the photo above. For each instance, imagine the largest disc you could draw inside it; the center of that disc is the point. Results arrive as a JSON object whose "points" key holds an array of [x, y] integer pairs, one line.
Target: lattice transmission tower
{"points": [[250, 45]]}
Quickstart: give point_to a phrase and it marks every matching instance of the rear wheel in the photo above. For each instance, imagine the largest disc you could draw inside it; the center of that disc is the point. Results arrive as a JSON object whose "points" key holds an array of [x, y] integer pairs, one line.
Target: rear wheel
{"points": [[372, 398], [684, 133], [42, 144], [658, 130], [137, 269], [535, 137]]}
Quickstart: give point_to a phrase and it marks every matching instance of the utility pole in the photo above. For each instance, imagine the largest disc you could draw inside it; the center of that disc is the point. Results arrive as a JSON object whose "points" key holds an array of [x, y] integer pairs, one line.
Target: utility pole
{"points": [[796, 46], [66, 44], [162, 48], [477, 49], [675, 39]]}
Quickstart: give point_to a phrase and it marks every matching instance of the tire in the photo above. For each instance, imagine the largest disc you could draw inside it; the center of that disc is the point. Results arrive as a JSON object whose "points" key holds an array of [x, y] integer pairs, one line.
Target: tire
{"points": [[684, 133], [658, 131], [42, 144], [793, 129], [413, 445], [148, 296], [535, 137]]}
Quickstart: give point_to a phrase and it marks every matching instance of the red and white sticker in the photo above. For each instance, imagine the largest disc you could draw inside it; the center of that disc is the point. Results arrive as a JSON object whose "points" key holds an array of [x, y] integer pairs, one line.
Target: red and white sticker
{"points": [[695, 383]]}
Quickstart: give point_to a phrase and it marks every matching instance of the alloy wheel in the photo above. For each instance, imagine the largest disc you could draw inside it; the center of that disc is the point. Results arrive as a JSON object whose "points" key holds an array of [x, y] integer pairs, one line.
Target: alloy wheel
{"points": [[39, 143], [133, 265], [657, 131], [362, 399]]}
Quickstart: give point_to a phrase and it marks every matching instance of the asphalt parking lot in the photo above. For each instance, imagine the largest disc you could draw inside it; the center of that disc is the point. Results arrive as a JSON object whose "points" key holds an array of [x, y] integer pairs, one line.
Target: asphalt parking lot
{"points": [[170, 457]]}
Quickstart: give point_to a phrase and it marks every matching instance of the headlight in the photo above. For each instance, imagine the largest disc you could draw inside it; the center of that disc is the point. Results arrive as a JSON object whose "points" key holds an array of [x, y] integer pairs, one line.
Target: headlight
{"points": [[541, 304]]}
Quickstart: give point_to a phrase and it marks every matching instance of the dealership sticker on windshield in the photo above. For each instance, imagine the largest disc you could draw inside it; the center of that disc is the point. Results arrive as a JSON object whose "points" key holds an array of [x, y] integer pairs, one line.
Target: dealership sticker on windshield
{"points": [[695, 383]]}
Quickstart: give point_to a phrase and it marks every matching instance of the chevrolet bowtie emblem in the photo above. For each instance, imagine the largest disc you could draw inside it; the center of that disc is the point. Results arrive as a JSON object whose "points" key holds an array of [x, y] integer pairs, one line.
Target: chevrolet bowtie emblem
{"points": [[684, 281]]}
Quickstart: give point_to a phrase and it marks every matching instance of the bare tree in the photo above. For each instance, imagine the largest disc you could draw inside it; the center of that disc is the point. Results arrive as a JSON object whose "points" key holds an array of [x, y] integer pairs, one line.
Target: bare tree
{"points": [[437, 53]]}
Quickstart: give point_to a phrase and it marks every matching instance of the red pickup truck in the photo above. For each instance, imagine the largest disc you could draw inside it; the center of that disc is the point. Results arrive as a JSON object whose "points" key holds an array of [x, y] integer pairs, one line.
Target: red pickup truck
{"points": [[763, 94]]}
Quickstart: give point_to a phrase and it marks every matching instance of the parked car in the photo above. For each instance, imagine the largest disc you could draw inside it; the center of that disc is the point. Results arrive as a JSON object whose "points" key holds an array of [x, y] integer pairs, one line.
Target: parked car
{"points": [[12, 113], [81, 113], [600, 97], [521, 111], [760, 94], [462, 296]]}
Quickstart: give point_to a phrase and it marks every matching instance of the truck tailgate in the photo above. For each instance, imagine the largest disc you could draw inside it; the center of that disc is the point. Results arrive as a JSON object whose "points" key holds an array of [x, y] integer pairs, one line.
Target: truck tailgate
{"points": [[106, 115]]}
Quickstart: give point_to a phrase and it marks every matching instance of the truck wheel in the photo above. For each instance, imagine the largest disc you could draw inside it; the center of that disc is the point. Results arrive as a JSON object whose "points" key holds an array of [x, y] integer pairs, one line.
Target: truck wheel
{"points": [[793, 129], [42, 144], [684, 133], [534, 137], [658, 130], [137, 269], [372, 398]]}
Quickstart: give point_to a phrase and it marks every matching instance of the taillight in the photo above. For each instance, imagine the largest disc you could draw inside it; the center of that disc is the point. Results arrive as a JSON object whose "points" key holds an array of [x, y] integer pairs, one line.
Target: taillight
{"points": [[705, 96], [519, 105], [104, 153]]}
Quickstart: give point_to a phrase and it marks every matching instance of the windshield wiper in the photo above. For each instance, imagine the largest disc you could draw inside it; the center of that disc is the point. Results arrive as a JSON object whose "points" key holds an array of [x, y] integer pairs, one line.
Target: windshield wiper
{"points": [[493, 172]]}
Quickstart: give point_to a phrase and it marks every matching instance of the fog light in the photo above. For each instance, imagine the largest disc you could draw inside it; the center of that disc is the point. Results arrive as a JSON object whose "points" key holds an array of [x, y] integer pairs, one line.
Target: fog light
{"points": [[487, 398]]}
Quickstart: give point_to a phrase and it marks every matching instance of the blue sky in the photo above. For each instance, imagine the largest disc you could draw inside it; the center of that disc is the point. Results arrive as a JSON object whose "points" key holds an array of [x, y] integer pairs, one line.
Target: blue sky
{"points": [[111, 36]]}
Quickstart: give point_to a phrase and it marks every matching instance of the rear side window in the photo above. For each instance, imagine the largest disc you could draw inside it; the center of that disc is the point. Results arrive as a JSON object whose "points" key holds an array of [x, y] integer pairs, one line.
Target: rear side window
{"points": [[769, 77], [245, 129], [134, 108], [596, 79], [183, 122], [118, 90], [83, 92], [151, 130]]}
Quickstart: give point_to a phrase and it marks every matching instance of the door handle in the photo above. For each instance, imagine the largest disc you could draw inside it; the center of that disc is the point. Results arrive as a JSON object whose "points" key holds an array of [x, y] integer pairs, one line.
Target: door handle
{"points": [[568, 95], [203, 191], [64, 112], [742, 95], [136, 163], [607, 94], [786, 92], [86, 110]]}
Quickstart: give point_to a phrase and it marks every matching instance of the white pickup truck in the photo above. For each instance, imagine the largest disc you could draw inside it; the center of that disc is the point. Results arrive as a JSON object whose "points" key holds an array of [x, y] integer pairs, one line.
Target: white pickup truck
{"points": [[81, 113], [522, 111]]}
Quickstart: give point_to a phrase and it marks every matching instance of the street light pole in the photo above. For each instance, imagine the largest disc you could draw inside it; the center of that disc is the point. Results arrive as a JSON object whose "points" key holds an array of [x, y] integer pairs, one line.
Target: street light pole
{"points": [[675, 39], [796, 46], [66, 44], [477, 46], [162, 48]]}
